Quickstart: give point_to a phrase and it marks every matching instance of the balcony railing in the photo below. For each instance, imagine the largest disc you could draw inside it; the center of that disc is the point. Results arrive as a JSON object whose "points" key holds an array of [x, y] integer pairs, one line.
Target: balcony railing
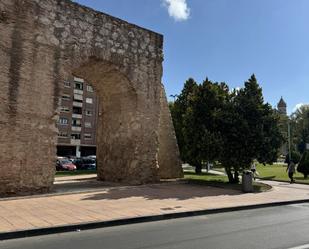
{"points": [[79, 80], [76, 128], [77, 115], [75, 141], [77, 104], [80, 92], [78, 96]]}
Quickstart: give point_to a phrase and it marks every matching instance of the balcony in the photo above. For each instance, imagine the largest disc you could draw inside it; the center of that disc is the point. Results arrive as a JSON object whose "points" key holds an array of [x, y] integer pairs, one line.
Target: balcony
{"points": [[75, 141], [76, 128], [80, 116], [80, 92], [79, 80], [77, 104], [78, 96]]}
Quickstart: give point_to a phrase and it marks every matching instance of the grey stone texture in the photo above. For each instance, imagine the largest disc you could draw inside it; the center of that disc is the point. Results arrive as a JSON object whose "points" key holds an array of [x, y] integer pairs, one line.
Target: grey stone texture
{"points": [[42, 42]]}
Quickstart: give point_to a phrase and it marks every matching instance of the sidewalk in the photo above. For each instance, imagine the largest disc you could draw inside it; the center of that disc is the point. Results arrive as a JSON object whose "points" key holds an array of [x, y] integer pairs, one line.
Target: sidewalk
{"points": [[114, 203]]}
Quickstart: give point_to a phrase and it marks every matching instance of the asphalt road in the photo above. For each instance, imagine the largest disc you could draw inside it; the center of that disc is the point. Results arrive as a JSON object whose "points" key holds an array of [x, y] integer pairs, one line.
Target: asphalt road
{"points": [[277, 227]]}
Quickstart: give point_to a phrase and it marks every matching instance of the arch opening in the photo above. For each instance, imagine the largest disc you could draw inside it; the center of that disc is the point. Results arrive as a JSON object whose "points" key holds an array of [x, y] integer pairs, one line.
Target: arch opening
{"points": [[120, 149]]}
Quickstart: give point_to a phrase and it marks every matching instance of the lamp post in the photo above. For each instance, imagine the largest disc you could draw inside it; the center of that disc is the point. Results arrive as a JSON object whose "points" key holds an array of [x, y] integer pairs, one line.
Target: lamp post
{"points": [[289, 139]]}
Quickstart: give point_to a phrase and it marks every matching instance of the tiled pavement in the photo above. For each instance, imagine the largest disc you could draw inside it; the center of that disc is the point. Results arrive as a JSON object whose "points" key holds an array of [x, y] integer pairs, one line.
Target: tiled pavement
{"points": [[126, 202]]}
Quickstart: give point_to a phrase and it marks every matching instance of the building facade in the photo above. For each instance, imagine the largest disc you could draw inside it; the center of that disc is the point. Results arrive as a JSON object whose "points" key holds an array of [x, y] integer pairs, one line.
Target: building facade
{"points": [[77, 119]]}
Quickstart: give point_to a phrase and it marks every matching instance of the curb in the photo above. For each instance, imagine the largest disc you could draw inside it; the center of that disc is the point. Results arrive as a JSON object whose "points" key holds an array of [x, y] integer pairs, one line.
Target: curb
{"points": [[274, 180], [135, 220]]}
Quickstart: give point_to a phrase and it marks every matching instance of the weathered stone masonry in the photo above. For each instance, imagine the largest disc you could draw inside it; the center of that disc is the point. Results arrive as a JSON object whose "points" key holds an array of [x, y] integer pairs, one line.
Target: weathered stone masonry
{"points": [[42, 42]]}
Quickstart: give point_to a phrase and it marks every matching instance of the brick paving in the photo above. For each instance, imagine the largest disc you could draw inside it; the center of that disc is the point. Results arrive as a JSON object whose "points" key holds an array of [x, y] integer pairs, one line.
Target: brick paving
{"points": [[128, 202]]}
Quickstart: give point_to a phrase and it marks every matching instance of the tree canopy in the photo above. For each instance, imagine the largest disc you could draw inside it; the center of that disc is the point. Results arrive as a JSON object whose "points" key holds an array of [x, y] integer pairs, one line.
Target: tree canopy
{"points": [[300, 124], [235, 127]]}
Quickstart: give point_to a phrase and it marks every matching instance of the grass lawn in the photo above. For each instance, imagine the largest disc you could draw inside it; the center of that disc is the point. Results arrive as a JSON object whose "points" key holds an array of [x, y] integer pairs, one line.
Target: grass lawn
{"points": [[278, 172], [220, 181], [75, 173]]}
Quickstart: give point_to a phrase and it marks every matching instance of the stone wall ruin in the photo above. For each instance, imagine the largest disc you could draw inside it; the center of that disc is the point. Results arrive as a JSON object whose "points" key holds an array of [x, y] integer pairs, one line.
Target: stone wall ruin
{"points": [[41, 44]]}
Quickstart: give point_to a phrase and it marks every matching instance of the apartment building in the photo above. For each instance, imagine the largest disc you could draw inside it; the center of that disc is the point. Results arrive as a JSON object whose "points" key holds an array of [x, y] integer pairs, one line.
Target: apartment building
{"points": [[77, 119]]}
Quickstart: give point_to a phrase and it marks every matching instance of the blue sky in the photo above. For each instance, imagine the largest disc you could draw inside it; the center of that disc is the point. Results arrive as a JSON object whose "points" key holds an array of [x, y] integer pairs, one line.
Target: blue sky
{"points": [[227, 40]]}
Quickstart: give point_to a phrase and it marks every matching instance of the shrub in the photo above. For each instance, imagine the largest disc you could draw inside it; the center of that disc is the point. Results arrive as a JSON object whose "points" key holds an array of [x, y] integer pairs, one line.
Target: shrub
{"points": [[295, 156], [303, 166]]}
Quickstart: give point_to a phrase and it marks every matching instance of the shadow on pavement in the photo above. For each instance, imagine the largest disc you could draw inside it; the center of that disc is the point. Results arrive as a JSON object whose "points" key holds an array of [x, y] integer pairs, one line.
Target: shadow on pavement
{"points": [[164, 191], [84, 185]]}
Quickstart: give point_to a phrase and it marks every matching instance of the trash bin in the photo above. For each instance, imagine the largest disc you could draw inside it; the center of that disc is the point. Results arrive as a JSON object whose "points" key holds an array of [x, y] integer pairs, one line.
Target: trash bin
{"points": [[247, 186]]}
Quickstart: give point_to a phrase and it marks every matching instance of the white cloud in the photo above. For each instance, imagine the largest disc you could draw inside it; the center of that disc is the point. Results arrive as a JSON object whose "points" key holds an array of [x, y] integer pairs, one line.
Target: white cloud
{"points": [[177, 9], [297, 106]]}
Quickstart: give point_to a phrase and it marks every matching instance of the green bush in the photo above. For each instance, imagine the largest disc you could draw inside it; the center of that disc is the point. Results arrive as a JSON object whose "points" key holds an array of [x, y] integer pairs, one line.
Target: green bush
{"points": [[295, 156], [303, 166]]}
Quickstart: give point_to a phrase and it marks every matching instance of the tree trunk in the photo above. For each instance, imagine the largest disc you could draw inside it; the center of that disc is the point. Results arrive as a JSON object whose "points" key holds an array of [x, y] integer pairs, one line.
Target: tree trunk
{"points": [[236, 177], [198, 169], [229, 175]]}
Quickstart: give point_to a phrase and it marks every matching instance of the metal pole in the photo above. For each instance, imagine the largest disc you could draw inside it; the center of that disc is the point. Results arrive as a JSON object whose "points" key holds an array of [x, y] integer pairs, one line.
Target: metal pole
{"points": [[289, 139]]}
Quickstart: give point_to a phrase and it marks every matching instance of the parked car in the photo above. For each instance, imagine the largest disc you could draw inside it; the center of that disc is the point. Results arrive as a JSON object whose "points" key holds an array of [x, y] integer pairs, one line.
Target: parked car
{"points": [[89, 163], [85, 163], [64, 163], [71, 158]]}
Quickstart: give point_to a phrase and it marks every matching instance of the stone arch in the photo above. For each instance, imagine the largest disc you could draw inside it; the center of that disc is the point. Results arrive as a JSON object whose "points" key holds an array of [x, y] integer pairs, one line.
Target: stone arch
{"points": [[120, 142], [41, 43]]}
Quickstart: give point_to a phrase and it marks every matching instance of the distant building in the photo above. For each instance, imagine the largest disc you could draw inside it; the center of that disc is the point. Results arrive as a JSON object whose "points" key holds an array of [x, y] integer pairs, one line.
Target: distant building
{"points": [[281, 107], [77, 119]]}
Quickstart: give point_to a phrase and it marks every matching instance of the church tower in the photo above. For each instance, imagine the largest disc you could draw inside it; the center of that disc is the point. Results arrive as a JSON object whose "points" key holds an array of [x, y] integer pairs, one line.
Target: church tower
{"points": [[281, 106]]}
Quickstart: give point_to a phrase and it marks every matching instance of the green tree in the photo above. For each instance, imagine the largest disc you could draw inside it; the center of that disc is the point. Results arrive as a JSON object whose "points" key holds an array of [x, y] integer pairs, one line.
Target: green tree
{"points": [[303, 166], [250, 130], [178, 110], [295, 156], [283, 121], [232, 129], [235, 128], [272, 136], [300, 124], [202, 138]]}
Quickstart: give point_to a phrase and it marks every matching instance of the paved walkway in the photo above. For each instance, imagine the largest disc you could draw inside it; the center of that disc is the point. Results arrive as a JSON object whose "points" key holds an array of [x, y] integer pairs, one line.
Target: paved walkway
{"points": [[109, 203]]}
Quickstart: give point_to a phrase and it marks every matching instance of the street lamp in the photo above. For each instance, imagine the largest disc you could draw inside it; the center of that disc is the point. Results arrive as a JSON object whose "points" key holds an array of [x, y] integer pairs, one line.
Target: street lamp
{"points": [[289, 139]]}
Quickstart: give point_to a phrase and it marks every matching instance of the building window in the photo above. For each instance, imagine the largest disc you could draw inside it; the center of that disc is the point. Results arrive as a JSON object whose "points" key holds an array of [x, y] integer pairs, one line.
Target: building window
{"points": [[67, 83], [88, 112], [76, 122], [63, 135], [64, 109], [89, 100], [89, 88], [78, 85], [65, 97], [75, 136], [88, 124], [63, 121], [77, 110], [87, 136]]}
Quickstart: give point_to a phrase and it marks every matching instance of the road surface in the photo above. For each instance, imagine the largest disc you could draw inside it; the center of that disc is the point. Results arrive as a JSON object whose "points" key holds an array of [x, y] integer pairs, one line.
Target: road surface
{"points": [[276, 227]]}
